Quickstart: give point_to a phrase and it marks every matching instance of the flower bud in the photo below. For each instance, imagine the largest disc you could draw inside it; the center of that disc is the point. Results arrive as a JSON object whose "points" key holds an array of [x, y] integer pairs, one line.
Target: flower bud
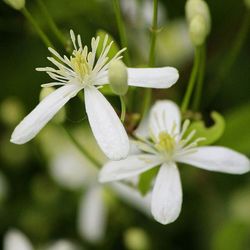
{"points": [[16, 4], [61, 115], [118, 77], [198, 30], [198, 7]]}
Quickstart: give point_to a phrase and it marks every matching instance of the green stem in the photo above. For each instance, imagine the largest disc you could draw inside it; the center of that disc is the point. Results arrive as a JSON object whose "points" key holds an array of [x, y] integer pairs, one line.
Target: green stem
{"points": [[123, 107], [151, 61], [51, 22], [154, 30], [121, 29], [200, 79], [39, 31], [191, 83], [80, 147]]}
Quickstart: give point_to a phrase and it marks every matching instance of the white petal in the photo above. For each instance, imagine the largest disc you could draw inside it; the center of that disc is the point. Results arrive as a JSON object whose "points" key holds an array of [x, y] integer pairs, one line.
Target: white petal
{"points": [[167, 194], [218, 159], [16, 240], [158, 78], [164, 116], [43, 112], [92, 215], [143, 129], [106, 125], [131, 166]]}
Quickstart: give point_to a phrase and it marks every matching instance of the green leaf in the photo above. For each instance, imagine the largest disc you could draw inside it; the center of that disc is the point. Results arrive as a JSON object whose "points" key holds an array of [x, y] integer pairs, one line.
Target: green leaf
{"points": [[213, 133], [114, 48], [146, 179]]}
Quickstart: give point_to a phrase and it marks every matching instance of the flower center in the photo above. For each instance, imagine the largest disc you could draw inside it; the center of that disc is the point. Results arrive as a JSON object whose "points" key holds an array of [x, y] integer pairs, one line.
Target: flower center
{"points": [[166, 144], [80, 64]]}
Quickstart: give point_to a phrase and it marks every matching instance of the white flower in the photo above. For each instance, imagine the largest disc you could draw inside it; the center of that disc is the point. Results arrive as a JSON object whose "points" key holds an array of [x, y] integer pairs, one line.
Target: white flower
{"points": [[166, 144], [14, 239], [83, 71]]}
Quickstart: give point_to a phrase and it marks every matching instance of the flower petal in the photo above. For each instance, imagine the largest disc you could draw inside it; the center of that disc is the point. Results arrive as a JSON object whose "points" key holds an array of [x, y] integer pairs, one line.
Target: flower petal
{"points": [[29, 127], [106, 125], [164, 116], [15, 239], [131, 166], [92, 215], [167, 194], [157, 78], [218, 159]]}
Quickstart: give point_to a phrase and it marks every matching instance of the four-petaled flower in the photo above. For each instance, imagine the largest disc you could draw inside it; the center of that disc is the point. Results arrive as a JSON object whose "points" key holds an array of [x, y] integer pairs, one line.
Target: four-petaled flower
{"points": [[165, 143], [83, 71]]}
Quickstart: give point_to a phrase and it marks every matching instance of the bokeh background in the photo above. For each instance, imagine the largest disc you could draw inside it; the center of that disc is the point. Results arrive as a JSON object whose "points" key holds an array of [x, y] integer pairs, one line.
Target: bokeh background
{"points": [[49, 192]]}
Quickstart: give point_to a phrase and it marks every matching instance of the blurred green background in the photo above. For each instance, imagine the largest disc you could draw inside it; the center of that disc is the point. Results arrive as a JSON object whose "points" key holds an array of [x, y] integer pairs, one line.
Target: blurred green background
{"points": [[216, 208]]}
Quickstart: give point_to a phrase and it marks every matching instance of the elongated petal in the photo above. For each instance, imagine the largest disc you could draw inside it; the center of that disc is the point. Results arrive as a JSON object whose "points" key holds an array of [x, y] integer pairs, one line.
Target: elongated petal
{"points": [[106, 125], [16, 240], [167, 194], [43, 112], [131, 166], [164, 116], [218, 159], [158, 78], [92, 215]]}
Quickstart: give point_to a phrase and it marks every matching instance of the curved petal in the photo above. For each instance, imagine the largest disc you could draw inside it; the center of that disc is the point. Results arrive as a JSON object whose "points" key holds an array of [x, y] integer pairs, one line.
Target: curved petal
{"points": [[92, 215], [29, 127], [131, 166], [158, 78], [218, 159], [15, 239], [164, 116], [106, 125], [167, 194]]}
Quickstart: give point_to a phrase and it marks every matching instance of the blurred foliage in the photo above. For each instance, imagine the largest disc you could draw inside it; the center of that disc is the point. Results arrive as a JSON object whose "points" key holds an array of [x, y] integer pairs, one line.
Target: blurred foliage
{"points": [[216, 207]]}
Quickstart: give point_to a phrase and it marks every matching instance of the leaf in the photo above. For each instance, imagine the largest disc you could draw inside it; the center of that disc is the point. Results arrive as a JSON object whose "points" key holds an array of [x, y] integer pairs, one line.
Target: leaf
{"points": [[213, 133], [114, 48], [146, 179]]}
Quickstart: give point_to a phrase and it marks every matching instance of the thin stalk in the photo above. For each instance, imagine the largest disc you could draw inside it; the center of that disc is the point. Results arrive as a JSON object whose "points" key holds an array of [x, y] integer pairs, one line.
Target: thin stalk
{"points": [[191, 82], [200, 79], [121, 29], [123, 107], [51, 22], [80, 147], [151, 61], [39, 31]]}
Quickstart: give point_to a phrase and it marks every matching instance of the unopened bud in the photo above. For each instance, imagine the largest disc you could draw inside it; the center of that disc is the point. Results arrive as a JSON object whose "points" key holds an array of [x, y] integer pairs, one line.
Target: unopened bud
{"points": [[118, 77], [198, 30], [198, 7], [61, 115], [16, 4]]}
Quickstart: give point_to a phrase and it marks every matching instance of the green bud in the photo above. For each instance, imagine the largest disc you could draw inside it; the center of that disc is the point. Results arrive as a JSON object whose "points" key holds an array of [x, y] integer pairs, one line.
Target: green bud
{"points": [[198, 7], [61, 115], [16, 4], [136, 239], [118, 77], [198, 30]]}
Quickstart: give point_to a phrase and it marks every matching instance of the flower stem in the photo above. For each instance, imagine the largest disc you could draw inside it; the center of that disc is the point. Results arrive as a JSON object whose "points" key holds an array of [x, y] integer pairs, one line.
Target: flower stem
{"points": [[192, 79], [51, 22], [121, 29], [123, 107], [39, 31], [151, 61], [200, 79], [80, 147]]}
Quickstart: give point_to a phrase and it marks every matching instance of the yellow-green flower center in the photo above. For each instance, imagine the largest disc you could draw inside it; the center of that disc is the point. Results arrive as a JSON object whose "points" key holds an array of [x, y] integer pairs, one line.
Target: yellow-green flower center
{"points": [[80, 64], [166, 143]]}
